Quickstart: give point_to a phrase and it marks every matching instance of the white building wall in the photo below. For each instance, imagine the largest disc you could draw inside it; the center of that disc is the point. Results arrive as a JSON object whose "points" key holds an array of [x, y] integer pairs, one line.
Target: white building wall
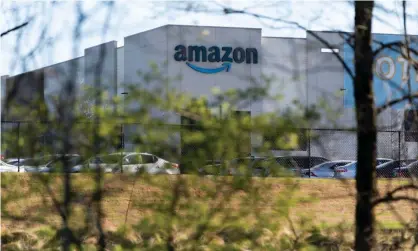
{"points": [[197, 84], [157, 47], [300, 70], [56, 77], [284, 61], [141, 52]]}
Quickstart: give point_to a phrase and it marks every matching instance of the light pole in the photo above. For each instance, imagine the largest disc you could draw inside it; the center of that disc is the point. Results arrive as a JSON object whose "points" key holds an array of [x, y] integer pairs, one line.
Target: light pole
{"points": [[122, 125], [122, 129]]}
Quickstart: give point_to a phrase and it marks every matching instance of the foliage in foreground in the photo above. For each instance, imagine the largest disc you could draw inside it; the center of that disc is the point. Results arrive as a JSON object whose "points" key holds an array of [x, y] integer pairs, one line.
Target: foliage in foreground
{"points": [[223, 214]]}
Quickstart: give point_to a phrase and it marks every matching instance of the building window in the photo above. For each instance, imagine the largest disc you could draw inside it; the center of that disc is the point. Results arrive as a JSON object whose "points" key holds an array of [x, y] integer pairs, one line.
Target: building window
{"points": [[330, 50]]}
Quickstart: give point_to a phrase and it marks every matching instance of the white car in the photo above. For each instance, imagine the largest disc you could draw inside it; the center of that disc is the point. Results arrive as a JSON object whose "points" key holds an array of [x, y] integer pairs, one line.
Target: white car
{"points": [[6, 168], [130, 163]]}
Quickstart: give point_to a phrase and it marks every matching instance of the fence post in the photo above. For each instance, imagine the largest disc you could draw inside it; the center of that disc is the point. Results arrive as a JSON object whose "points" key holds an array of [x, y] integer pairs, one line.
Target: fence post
{"points": [[18, 147], [399, 150], [122, 137], [122, 141], [309, 151]]}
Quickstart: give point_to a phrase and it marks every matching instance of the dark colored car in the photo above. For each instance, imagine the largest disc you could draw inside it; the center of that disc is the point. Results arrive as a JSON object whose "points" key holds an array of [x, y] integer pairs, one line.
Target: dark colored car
{"points": [[402, 172], [283, 165], [409, 171], [391, 169], [229, 167]]}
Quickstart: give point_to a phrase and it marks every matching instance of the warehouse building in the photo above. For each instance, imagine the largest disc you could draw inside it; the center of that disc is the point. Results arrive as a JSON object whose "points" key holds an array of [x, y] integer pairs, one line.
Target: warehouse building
{"points": [[205, 57]]}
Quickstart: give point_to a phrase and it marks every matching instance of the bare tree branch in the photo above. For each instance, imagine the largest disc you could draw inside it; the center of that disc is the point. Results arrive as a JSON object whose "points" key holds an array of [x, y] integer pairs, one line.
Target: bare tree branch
{"points": [[228, 11], [389, 197], [391, 45], [296, 24], [14, 28], [396, 101], [408, 51]]}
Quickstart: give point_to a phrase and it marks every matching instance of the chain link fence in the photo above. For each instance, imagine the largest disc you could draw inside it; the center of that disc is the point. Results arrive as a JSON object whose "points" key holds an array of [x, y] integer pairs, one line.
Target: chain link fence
{"points": [[396, 154]]}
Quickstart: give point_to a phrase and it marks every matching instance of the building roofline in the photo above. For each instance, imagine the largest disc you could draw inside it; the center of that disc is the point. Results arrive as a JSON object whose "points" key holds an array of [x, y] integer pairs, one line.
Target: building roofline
{"points": [[212, 26], [189, 25], [301, 38], [66, 61], [43, 68], [159, 27], [351, 32]]}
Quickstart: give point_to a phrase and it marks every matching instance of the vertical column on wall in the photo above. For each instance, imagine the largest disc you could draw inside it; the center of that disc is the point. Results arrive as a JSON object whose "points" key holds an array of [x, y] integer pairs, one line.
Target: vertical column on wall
{"points": [[410, 127], [3, 99], [101, 61], [100, 72], [3, 94], [26, 92]]}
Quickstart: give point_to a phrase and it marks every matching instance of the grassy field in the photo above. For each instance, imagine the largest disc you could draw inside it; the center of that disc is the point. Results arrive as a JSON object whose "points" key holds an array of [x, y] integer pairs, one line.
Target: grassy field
{"points": [[26, 203]]}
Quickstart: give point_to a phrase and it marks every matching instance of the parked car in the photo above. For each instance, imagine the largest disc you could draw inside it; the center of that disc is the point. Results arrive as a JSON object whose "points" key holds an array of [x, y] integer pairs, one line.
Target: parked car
{"points": [[287, 165], [409, 171], [107, 162], [389, 169], [15, 161], [402, 172], [241, 166], [4, 167], [131, 163], [228, 167], [349, 171], [51, 163], [326, 169], [212, 167]]}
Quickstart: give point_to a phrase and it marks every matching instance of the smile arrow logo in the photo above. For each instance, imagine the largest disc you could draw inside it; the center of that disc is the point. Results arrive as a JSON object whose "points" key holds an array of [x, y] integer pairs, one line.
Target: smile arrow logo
{"points": [[225, 66]]}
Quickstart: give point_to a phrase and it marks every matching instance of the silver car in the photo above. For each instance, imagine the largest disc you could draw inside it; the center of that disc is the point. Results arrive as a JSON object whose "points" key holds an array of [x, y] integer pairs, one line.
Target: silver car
{"points": [[326, 169], [14, 161], [50, 163], [409, 171], [349, 171], [287, 165]]}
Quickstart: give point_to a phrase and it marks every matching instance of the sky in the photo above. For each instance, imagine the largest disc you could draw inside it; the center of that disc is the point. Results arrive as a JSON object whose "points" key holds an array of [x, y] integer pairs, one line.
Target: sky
{"points": [[57, 22]]}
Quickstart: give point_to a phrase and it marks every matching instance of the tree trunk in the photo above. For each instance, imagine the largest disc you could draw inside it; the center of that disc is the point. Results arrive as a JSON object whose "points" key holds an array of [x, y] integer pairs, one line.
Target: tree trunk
{"points": [[366, 127]]}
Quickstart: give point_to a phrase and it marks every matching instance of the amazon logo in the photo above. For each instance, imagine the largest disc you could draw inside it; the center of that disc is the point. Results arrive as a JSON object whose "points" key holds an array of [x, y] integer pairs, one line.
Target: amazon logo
{"points": [[225, 56]]}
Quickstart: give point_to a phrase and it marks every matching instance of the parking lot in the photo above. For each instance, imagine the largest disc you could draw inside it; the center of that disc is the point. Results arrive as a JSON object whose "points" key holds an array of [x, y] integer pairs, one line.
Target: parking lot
{"points": [[257, 166]]}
